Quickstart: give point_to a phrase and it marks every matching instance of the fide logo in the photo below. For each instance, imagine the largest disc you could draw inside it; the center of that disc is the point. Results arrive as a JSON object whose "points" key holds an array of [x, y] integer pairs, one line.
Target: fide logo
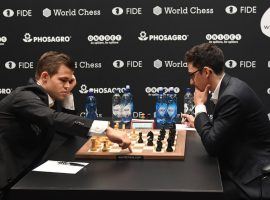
{"points": [[265, 23], [268, 91], [269, 116], [10, 65], [3, 40], [117, 11], [8, 13], [230, 64], [118, 64], [231, 9], [83, 89]]}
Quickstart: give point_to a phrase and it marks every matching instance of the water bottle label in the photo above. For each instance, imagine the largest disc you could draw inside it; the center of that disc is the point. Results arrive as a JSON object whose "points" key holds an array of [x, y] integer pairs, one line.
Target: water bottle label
{"points": [[185, 108], [117, 110], [171, 110], [126, 110], [161, 110]]}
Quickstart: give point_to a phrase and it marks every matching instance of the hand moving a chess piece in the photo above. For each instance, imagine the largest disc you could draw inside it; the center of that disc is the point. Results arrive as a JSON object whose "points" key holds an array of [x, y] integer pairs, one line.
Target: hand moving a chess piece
{"points": [[188, 120], [118, 137]]}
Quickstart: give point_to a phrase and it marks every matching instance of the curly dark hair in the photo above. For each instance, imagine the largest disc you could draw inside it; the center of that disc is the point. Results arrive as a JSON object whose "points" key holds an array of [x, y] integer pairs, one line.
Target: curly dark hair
{"points": [[206, 54]]}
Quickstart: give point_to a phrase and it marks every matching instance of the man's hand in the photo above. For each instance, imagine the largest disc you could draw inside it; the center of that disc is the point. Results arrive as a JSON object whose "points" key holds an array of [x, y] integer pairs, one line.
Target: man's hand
{"points": [[201, 97], [188, 120], [118, 137]]}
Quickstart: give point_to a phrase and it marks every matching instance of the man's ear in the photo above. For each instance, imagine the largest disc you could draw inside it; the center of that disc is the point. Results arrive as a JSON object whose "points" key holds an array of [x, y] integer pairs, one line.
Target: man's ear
{"points": [[208, 71], [44, 76]]}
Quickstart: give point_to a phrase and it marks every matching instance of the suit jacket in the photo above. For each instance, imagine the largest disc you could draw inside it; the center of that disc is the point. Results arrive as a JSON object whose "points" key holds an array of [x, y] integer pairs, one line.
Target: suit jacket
{"points": [[239, 134], [27, 126]]}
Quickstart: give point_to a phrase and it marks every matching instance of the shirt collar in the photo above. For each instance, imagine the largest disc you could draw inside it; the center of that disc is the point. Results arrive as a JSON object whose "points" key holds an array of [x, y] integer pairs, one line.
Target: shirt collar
{"points": [[50, 99], [214, 97]]}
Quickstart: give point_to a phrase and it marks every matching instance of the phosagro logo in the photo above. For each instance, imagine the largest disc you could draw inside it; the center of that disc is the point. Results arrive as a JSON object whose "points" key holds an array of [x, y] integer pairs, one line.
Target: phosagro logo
{"points": [[3, 40], [46, 39], [5, 90], [8, 13], [223, 38], [144, 37], [117, 11], [10, 65], [128, 64], [265, 23], [169, 64], [153, 91], [245, 64], [231, 9], [104, 39], [84, 90]]}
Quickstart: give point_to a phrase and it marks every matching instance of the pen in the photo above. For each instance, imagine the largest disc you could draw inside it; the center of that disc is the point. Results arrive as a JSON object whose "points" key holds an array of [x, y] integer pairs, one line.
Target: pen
{"points": [[70, 163]]}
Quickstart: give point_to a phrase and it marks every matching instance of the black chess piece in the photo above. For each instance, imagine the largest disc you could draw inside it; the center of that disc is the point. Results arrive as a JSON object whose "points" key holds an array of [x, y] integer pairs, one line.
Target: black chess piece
{"points": [[150, 139], [140, 138], [159, 145], [169, 147]]}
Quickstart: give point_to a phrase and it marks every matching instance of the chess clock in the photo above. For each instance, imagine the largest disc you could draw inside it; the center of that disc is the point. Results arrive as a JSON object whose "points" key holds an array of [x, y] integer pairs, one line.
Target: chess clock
{"points": [[142, 124]]}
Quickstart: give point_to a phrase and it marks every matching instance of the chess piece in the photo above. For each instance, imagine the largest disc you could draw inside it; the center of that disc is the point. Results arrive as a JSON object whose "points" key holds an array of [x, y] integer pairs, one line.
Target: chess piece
{"points": [[150, 139], [93, 144], [169, 147], [133, 135], [116, 126], [123, 126], [140, 138], [159, 145], [162, 133], [105, 146]]}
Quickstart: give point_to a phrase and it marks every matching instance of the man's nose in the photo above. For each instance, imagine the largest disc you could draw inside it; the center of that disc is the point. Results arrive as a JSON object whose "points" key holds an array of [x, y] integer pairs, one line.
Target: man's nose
{"points": [[67, 84]]}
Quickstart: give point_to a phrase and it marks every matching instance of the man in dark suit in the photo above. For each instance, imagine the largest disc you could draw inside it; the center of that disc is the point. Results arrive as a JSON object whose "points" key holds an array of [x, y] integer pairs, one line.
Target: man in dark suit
{"points": [[28, 122], [239, 134]]}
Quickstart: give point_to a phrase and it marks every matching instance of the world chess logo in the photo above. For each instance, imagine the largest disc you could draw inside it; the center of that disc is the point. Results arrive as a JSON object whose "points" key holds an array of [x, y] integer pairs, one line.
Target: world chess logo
{"points": [[118, 64], [47, 12], [157, 10], [3, 40], [158, 64], [230, 64], [117, 11], [265, 23], [269, 116], [10, 65], [8, 13], [231, 9], [143, 36], [83, 89], [27, 37]]}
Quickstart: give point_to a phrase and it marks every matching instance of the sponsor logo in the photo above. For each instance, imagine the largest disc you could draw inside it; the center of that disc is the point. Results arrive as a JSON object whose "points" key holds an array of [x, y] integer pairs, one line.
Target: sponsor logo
{"points": [[5, 90], [19, 65], [127, 64], [157, 10], [45, 39], [8, 13], [153, 91], [269, 116], [169, 64], [223, 38], [166, 37], [3, 40], [269, 64], [231, 9], [46, 12], [84, 90], [104, 39], [268, 91], [87, 65], [245, 64], [265, 23], [18, 13], [127, 11]]}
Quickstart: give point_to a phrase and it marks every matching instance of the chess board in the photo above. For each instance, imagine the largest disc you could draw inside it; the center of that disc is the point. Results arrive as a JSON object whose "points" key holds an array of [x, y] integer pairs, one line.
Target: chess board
{"points": [[139, 150]]}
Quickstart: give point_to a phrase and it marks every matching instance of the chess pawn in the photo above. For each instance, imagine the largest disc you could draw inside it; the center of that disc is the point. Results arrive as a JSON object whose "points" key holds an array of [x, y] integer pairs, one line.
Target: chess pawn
{"points": [[93, 144], [123, 127], [105, 146], [116, 126], [133, 135], [140, 138]]}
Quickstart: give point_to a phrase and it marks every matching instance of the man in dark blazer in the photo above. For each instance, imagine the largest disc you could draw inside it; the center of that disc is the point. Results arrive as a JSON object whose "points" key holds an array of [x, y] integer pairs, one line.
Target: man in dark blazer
{"points": [[239, 134], [28, 121]]}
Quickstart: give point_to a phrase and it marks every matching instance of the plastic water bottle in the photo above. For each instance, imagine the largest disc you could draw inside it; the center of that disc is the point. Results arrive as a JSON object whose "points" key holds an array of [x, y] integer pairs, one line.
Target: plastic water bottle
{"points": [[116, 107], [172, 106], [188, 102], [161, 108], [127, 105], [91, 106]]}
